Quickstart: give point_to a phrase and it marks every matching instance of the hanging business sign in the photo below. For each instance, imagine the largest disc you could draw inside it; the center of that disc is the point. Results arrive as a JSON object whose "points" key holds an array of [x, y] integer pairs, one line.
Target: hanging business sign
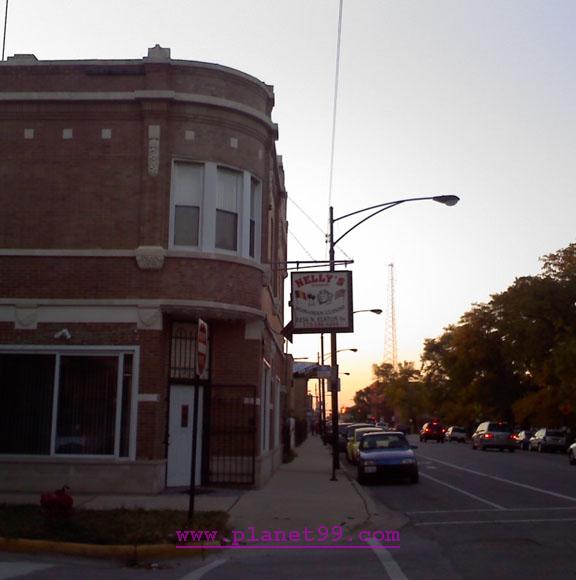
{"points": [[322, 302]]}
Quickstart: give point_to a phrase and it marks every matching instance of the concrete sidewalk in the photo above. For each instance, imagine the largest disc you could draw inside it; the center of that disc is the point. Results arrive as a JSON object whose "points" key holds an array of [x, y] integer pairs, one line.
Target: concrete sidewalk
{"points": [[300, 494]]}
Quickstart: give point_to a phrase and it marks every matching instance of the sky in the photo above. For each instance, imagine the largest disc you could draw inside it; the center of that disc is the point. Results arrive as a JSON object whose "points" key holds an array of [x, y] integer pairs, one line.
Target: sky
{"points": [[469, 97]]}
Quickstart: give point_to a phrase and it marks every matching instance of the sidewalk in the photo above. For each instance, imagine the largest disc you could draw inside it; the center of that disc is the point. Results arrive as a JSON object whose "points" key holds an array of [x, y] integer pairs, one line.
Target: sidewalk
{"points": [[299, 495]]}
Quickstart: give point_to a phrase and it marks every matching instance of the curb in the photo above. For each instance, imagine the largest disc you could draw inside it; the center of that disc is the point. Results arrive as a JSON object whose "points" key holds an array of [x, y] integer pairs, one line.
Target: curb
{"points": [[377, 515], [163, 551]]}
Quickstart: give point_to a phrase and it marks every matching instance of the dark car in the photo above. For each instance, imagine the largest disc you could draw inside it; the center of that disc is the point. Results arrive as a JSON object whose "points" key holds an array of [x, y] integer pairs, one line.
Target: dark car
{"points": [[522, 439], [432, 431], [385, 454], [342, 437]]}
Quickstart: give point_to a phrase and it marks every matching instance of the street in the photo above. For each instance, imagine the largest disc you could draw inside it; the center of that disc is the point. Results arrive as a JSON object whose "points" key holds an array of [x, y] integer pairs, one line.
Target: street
{"points": [[474, 515], [485, 514]]}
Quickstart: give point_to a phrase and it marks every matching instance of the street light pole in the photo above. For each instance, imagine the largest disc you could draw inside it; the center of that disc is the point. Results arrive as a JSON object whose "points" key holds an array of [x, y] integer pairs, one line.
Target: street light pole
{"points": [[448, 200], [334, 365]]}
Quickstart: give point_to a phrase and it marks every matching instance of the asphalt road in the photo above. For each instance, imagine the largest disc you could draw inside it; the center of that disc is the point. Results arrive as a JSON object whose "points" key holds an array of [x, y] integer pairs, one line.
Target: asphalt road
{"points": [[474, 515], [485, 515]]}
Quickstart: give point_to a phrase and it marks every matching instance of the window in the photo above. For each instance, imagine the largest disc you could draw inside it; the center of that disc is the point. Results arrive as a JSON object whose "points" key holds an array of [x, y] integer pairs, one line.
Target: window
{"points": [[254, 196], [26, 393], [228, 194], [215, 209], [66, 404], [189, 184], [87, 405]]}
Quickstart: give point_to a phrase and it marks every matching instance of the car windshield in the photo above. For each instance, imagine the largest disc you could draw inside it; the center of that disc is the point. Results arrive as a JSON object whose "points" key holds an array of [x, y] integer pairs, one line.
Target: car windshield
{"points": [[384, 442], [555, 433]]}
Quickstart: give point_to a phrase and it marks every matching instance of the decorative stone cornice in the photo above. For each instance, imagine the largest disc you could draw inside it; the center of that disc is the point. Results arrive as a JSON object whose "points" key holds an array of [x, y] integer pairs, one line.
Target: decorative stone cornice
{"points": [[150, 257]]}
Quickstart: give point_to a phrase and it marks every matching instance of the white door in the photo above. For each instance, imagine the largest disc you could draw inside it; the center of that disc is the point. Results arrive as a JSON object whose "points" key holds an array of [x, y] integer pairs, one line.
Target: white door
{"points": [[180, 431]]}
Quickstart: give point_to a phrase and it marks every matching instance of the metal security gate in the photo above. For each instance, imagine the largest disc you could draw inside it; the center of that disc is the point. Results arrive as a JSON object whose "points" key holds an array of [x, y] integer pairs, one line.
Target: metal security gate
{"points": [[232, 438]]}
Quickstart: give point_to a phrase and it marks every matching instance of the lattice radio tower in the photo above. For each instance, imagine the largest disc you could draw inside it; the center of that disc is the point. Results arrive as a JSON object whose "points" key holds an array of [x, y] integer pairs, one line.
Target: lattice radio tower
{"points": [[390, 343]]}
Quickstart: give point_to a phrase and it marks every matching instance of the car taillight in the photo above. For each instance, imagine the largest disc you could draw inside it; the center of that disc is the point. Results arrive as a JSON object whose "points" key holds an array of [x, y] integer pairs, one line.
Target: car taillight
{"points": [[427, 429], [488, 436]]}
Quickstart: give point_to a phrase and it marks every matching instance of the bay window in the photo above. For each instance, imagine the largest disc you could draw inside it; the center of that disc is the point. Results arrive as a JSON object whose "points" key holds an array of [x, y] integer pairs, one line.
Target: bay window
{"points": [[228, 194], [215, 209], [189, 185]]}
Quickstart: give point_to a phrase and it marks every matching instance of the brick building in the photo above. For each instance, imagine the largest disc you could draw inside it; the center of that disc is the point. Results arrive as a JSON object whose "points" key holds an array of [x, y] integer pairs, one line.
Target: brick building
{"points": [[138, 197]]}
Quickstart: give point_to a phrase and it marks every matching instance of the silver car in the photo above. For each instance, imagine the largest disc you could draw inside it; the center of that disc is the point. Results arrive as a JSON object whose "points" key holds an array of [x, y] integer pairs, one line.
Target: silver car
{"points": [[494, 435], [548, 440], [572, 454], [456, 433]]}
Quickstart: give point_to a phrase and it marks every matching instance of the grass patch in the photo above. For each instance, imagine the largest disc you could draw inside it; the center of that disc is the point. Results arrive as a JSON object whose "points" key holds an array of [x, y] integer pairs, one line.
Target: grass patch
{"points": [[105, 527]]}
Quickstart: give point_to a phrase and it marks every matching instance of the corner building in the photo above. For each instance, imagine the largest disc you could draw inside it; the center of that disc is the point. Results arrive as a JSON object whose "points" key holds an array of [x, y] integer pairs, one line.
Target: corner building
{"points": [[139, 197]]}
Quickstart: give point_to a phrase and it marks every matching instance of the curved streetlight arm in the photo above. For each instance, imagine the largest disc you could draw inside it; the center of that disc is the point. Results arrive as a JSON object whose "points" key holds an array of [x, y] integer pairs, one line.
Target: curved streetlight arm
{"points": [[444, 199]]}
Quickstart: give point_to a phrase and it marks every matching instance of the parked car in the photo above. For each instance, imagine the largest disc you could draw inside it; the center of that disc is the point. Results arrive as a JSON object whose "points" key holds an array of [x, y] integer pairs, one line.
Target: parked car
{"points": [[342, 438], [572, 454], [384, 454], [455, 433], [402, 428], [432, 430], [522, 439], [352, 448], [494, 435], [351, 428], [548, 440]]}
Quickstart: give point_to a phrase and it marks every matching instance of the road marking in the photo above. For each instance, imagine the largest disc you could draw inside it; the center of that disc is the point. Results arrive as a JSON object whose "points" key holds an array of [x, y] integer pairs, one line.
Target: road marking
{"points": [[464, 522], [200, 572], [477, 498], [386, 559], [484, 510], [496, 478], [14, 569]]}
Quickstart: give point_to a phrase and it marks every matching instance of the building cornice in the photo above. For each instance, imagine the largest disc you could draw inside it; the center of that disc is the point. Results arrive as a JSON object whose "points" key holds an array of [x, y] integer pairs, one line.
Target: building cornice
{"points": [[102, 253], [140, 95]]}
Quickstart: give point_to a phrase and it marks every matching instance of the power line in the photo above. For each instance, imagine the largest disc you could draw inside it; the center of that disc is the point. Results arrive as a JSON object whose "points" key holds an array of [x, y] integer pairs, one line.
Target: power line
{"points": [[308, 217], [301, 245], [5, 27]]}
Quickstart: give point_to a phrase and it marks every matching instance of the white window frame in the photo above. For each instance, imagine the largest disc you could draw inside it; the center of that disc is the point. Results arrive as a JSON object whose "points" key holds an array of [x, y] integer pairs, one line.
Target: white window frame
{"points": [[208, 208], [60, 351], [172, 224]]}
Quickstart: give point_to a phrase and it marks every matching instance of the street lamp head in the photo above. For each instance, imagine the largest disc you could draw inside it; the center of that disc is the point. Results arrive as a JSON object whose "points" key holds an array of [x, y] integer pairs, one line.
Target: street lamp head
{"points": [[376, 310], [447, 199], [353, 349]]}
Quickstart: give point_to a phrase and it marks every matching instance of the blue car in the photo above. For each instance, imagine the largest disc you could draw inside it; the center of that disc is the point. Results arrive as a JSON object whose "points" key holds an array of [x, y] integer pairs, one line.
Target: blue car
{"points": [[384, 454]]}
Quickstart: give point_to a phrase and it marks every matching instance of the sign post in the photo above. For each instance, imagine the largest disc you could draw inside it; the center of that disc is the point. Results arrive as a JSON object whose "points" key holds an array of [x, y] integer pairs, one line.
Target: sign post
{"points": [[201, 361]]}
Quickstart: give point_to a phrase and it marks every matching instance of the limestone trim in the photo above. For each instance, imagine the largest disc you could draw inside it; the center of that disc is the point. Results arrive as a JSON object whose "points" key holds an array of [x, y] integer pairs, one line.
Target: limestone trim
{"points": [[141, 95], [206, 66], [150, 257], [98, 253], [146, 314]]}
